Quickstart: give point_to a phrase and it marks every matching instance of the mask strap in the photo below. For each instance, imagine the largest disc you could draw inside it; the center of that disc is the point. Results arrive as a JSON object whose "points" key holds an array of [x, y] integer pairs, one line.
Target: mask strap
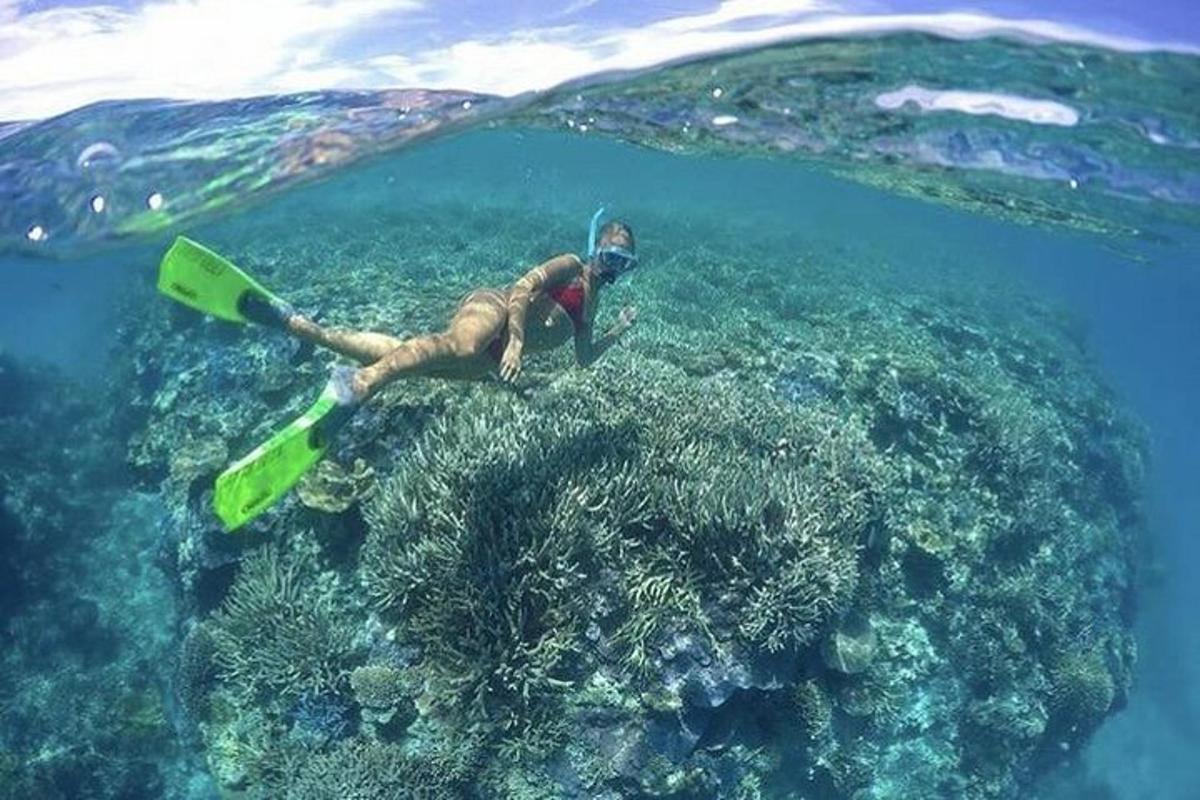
{"points": [[591, 251]]}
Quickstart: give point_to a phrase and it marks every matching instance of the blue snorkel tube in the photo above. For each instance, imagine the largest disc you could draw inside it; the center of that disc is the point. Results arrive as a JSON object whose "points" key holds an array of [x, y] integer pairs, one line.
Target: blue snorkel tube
{"points": [[593, 230], [617, 260]]}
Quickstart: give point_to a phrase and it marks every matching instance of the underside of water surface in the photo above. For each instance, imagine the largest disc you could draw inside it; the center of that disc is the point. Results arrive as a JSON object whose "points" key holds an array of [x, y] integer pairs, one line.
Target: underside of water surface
{"points": [[850, 512], [1043, 134]]}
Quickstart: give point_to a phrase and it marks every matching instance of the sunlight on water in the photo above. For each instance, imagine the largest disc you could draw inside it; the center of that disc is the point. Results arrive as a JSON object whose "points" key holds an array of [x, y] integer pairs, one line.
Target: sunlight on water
{"points": [[1038, 112]]}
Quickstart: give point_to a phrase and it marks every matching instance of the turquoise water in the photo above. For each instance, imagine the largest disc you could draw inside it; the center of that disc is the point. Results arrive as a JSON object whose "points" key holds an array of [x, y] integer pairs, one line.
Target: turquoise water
{"points": [[886, 494]]}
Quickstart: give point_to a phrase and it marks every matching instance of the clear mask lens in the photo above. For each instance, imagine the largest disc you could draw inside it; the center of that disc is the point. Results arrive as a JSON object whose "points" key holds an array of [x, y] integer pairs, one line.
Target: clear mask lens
{"points": [[616, 259]]}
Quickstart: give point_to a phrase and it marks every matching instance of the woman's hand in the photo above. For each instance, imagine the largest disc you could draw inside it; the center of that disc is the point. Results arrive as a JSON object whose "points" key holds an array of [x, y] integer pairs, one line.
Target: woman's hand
{"points": [[627, 317], [510, 362]]}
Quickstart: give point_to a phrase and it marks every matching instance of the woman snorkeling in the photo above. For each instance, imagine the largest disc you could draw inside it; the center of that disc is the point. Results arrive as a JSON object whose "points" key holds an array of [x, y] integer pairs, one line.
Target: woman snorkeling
{"points": [[489, 334], [493, 328]]}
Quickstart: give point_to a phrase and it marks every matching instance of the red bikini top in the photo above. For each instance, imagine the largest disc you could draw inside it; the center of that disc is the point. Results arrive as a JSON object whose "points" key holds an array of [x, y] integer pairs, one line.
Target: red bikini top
{"points": [[570, 299]]}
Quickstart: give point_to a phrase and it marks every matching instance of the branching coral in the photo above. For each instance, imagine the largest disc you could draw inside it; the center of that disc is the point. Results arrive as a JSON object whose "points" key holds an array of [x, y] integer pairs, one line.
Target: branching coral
{"points": [[367, 770], [685, 501], [277, 630], [476, 546], [813, 707]]}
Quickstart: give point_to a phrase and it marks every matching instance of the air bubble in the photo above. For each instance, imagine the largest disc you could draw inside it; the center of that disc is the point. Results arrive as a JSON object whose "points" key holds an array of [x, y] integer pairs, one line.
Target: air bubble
{"points": [[98, 155], [155, 201], [97, 204], [466, 104], [717, 92], [36, 233]]}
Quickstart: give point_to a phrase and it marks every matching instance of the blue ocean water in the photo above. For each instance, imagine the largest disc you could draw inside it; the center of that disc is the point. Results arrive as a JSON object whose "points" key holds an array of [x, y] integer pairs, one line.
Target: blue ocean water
{"points": [[821, 242]]}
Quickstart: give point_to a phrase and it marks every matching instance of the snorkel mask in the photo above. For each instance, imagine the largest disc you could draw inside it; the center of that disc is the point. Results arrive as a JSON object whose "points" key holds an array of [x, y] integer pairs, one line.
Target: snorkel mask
{"points": [[615, 260]]}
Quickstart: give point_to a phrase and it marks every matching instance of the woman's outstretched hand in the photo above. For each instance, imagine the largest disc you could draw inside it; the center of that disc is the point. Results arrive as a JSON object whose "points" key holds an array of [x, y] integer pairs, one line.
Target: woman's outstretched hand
{"points": [[510, 362]]}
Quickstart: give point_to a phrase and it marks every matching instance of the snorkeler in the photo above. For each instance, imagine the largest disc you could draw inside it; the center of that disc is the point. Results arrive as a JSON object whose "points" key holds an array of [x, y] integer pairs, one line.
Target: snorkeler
{"points": [[488, 335], [492, 328]]}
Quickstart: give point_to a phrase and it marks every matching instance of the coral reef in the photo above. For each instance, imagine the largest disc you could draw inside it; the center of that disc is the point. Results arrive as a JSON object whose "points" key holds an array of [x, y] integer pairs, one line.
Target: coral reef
{"points": [[685, 510], [195, 671], [333, 488], [850, 647], [375, 771], [1082, 689], [322, 718], [809, 530], [380, 686], [86, 618], [278, 630]]}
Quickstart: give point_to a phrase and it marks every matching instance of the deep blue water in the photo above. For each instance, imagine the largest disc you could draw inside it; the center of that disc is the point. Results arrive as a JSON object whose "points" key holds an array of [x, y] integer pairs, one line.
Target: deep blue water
{"points": [[1136, 298], [1145, 329]]}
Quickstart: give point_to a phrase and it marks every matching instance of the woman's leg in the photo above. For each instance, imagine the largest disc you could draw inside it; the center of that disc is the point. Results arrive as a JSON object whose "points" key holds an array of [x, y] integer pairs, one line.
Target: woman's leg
{"points": [[362, 346], [459, 353]]}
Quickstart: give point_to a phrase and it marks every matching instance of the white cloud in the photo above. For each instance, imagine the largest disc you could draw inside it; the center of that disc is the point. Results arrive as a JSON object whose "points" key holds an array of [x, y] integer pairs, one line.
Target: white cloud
{"points": [[574, 8], [740, 10], [539, 59], [62, 58]]}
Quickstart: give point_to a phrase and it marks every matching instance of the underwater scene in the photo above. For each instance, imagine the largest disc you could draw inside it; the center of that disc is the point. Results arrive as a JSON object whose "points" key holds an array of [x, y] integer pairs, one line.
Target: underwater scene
{"points": [[814, 421]]}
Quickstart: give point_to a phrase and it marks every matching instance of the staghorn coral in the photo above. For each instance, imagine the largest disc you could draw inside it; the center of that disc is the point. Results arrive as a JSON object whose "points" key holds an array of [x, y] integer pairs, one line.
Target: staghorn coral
{"points": [[474, 552], [367, 770], [686, 506], [813, 708], [278, 631]]}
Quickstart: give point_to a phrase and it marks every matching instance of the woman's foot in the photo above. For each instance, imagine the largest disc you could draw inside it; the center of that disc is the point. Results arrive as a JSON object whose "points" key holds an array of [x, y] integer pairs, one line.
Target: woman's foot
{"points": [[347, 391], [347, 386]]}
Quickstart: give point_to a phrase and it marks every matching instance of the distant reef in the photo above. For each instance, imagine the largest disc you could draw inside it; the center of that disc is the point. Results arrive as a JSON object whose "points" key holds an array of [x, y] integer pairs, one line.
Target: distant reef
{"points": [[809, 531]]}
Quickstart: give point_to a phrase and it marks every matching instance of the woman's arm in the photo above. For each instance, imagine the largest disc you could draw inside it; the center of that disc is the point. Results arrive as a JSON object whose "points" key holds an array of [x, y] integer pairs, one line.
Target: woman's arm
{"points": [[588, 350], [557, 271]]}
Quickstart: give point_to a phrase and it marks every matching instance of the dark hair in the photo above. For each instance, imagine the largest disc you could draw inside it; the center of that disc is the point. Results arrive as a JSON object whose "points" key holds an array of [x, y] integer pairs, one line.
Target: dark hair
{"points": [[614, 227]]}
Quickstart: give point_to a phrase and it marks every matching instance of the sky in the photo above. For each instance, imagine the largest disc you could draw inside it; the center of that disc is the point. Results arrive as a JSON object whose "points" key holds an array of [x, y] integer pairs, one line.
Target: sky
{"points": [[59, 55]]}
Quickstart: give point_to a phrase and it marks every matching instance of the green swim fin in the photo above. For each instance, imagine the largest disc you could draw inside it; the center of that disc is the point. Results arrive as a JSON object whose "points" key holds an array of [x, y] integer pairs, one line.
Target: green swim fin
{"points": [[253, 484], [203, 280]]}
